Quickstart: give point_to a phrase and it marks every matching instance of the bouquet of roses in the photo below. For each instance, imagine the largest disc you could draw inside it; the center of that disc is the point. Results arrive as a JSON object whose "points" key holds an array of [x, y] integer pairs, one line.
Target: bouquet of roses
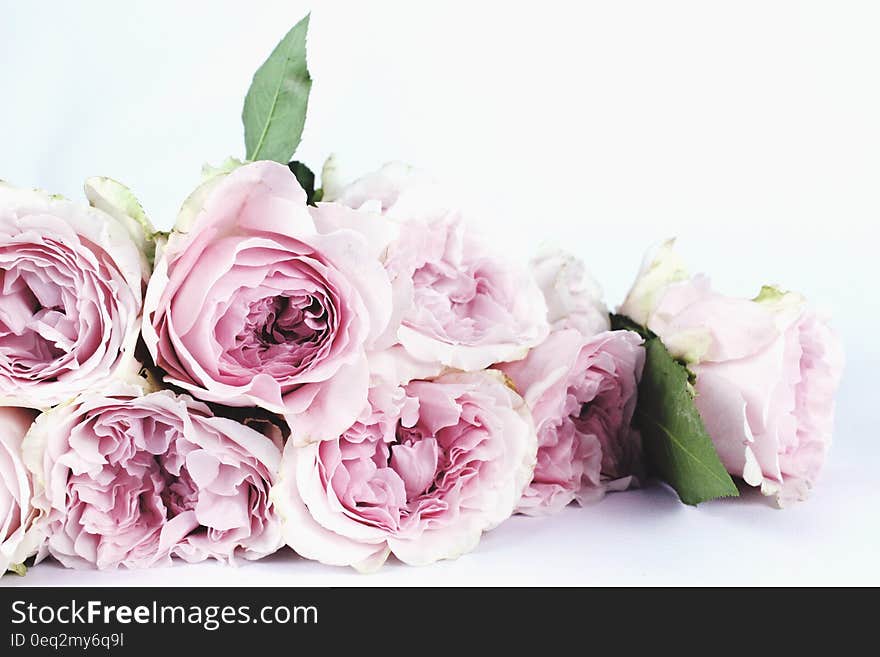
{"points": [[354, 371]]}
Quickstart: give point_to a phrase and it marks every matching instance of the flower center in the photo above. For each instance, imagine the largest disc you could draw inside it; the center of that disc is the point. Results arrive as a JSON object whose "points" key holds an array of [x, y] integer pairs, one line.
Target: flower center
{"points": [[282, 333], [180, 493], [35, 330], [279, 320]]}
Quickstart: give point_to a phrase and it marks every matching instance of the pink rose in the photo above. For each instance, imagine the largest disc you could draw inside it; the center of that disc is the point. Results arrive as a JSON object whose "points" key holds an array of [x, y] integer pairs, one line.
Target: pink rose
{"points": [[133, 479], [250, 306], [425, 470], [767, 370], [582, 394], [18, 539], [457, 304], [574, 298], [71, 279]]}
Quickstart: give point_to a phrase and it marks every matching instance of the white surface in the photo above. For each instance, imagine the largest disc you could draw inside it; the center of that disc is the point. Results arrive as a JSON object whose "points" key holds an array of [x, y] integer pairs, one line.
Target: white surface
{"points": [[747, 129]]}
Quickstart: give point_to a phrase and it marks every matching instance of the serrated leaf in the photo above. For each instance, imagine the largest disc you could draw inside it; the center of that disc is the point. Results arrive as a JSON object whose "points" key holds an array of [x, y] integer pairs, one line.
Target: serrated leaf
{"points": [[275, 106], [18, 568], [305, 178], [678, 449]]}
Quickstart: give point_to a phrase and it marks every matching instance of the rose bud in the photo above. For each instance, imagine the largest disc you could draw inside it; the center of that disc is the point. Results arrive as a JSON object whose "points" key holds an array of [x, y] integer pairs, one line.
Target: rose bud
{"points": [[766, 371]]}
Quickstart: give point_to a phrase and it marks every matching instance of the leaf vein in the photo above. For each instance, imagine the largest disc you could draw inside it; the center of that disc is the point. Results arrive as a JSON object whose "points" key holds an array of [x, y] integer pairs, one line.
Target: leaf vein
{"points": [[684, 449], [272, 107]]}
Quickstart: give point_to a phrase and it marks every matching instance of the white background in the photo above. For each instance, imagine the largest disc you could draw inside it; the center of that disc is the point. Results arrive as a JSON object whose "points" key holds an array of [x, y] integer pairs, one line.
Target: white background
{"points": [[751, 130]]}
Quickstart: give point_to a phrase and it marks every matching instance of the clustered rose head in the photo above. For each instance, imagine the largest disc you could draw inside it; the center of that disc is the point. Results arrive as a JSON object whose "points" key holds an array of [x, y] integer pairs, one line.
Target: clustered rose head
{"points": [[18, 537], [132, 479], [767, 370], [457, 303], [250, 305], [71, 279], [368, 322], [426, 469], [431, 387], [582, 394]]}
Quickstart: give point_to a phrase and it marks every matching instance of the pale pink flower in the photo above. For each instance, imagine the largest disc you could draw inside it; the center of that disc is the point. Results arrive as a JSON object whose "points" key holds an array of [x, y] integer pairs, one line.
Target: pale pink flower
{"points": [[71, 279], [18, 538], [582, 393], [573, 296], [457, 302], [425, 470], [767, 370], [133, 479], [250, 305]]}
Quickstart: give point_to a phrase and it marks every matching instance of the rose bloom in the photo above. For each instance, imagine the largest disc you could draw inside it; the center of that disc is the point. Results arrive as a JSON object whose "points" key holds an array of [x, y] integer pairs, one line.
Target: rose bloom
{"points": [[767, 370], [132, 479], [457, 304], [18, 539], [71, 279], [573, 296], [425, 470], [582, 393], [250, 306]]}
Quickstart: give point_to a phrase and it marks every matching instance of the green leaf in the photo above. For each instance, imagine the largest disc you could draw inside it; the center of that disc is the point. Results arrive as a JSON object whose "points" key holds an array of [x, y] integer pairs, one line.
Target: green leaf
{"points": [[306, 180], [677, 446], [275, 106]]}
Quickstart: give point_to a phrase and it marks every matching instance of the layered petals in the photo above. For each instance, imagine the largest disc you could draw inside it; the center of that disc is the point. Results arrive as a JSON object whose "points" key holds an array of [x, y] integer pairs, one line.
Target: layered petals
{"points": [[19, 539], [766, 372], [71, 280], [133, 479], [426, 469], [582, 393], [251, 306], [457, 303]]}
